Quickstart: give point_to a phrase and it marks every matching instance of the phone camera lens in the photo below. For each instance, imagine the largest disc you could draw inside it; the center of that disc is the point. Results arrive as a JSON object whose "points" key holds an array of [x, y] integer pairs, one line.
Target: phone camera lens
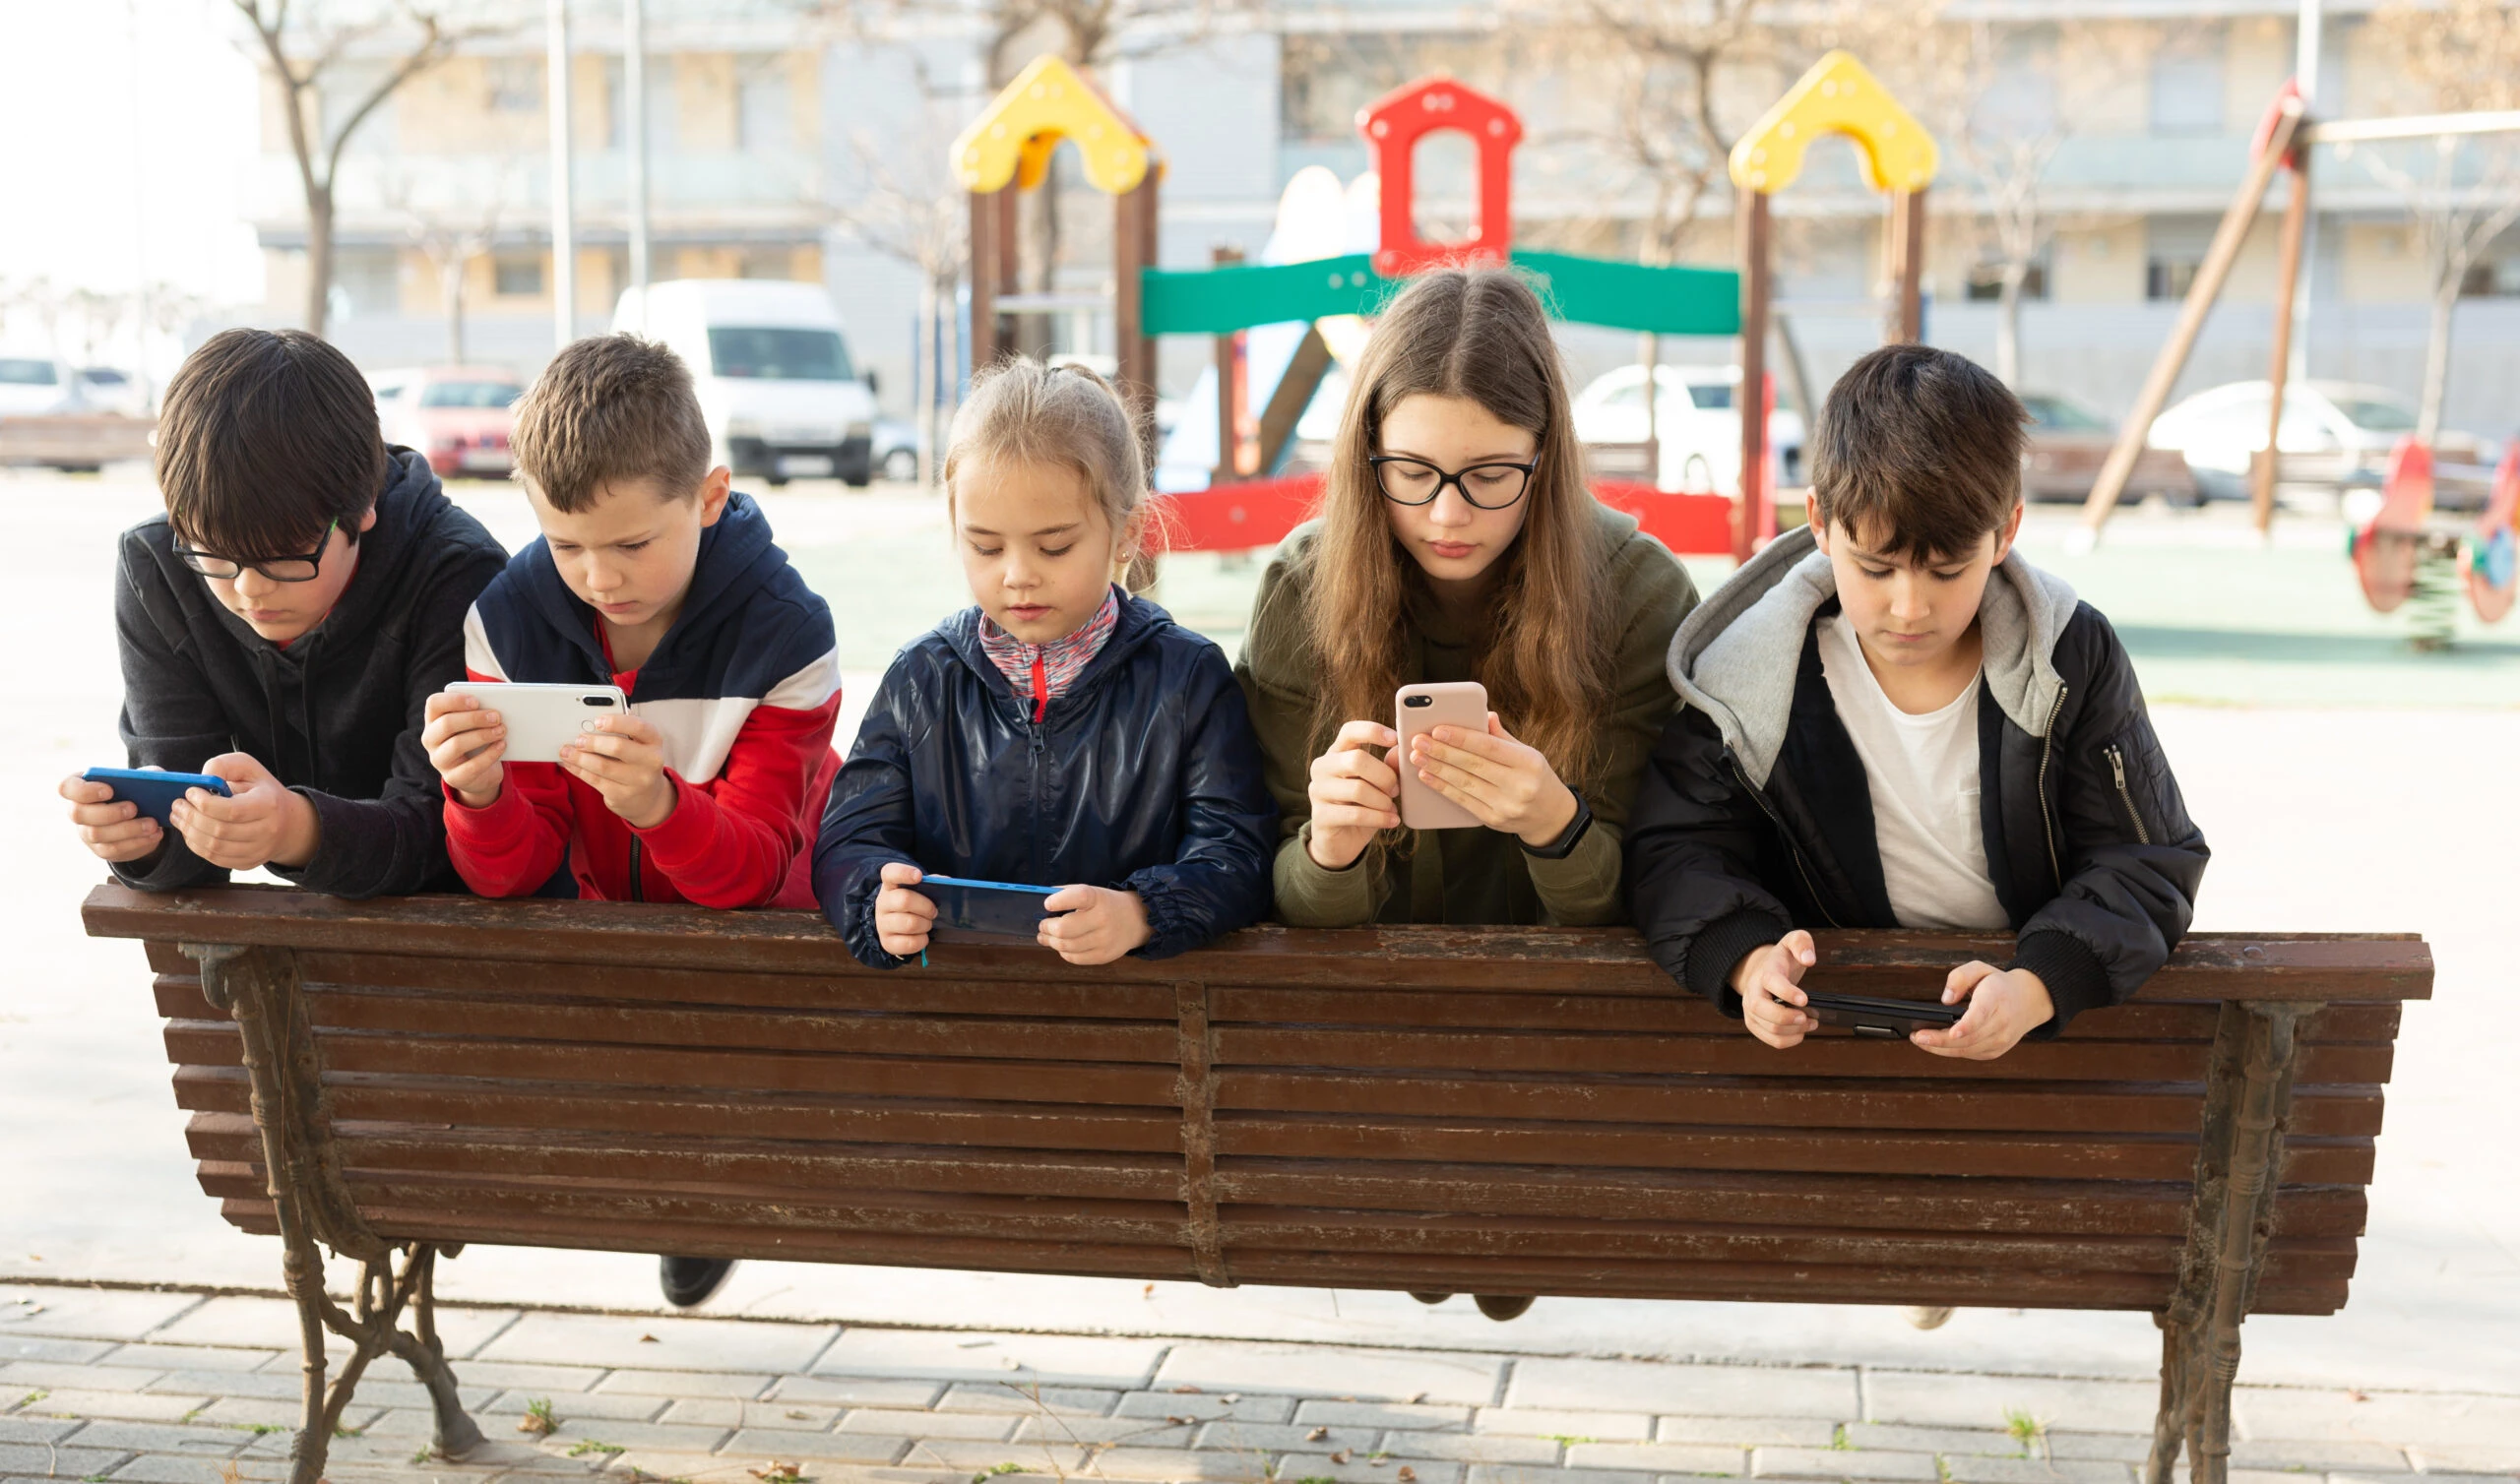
{"points": [[603, 702], [1416, 701]]}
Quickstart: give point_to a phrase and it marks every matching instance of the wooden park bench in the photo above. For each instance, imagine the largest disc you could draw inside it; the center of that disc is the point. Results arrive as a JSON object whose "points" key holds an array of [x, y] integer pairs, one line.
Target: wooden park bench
{"points": [[1501, 1111]]}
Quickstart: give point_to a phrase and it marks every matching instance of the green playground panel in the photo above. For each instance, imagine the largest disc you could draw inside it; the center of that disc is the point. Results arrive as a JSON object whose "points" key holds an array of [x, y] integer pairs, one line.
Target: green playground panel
{"points": [[1578, 290]]}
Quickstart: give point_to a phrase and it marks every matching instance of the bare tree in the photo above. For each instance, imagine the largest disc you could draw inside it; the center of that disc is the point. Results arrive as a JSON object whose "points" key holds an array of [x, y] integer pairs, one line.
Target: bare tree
{"points": [[2463, 55], [450, 236], [306, 58]]}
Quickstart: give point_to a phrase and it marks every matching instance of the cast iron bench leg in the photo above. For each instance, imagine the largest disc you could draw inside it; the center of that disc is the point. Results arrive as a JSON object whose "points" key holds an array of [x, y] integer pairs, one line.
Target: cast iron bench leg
{"points": [[260, 989], [2239, 1161]]}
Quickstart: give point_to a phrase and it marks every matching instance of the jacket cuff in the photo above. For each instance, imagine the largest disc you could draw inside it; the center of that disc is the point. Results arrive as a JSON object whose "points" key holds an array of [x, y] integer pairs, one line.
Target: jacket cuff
{"points": [[1705, 964], [1311, 894], [1169, 927], [2075, 978], [343, 833], [857, 922], [1580, 889]]}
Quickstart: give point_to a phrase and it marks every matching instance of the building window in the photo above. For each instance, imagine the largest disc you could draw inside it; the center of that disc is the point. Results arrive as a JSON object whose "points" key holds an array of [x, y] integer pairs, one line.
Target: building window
{"points": [[515, 84], [764, 116], [2187, 82], [1324, 81], [2169, 278], [1986, 281], [516, 276]]}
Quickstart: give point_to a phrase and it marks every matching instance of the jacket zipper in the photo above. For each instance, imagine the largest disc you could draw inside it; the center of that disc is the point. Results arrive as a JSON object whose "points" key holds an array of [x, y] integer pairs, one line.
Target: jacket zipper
{"points": [[1791, 846], [2047, 751], [2117, 770], [1038, 746]]}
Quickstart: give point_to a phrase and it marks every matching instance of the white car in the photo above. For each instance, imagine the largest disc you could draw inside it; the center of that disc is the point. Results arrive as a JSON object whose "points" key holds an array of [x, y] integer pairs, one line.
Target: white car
{"points": [[770, 361], [34, 386], [2335, 435], [1694, 418]]}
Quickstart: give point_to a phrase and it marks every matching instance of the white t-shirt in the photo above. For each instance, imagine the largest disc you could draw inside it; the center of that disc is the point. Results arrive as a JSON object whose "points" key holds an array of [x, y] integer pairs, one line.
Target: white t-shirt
{"points": [[1924, 776]]}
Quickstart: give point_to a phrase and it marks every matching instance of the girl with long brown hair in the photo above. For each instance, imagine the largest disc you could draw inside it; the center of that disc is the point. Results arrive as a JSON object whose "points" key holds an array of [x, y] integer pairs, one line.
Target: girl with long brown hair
{"points": [[1458, 541]]}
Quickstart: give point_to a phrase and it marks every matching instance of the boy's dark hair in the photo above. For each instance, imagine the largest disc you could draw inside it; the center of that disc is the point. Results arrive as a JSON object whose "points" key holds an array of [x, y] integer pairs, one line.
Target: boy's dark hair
{"points": [[264, 436], [1918, 452], [607, 409]]}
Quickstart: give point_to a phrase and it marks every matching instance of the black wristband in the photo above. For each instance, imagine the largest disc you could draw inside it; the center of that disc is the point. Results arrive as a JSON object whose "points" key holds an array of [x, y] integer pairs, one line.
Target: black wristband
{"points": [[1567, 838]]}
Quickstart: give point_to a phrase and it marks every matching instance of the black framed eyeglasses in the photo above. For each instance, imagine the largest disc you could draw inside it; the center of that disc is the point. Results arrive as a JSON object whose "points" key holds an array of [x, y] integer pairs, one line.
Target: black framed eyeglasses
{"points": [[292, 568], [1414, 481]]}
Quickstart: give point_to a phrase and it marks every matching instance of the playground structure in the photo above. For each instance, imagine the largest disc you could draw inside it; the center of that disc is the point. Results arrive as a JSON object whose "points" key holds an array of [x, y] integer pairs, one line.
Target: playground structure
{"points": [[1248, 504], [2405, 552]]}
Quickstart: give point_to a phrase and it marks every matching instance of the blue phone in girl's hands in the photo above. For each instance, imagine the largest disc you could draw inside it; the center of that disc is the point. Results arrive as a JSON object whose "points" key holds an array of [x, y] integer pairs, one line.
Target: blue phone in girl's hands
{"points": [[986, 911], [154, 791]]}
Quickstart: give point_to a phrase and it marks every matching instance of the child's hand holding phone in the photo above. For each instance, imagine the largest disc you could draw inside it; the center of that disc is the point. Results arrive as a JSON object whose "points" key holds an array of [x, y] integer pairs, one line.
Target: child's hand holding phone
{"points": [[113, 830], [262, 821], [1504, 782], [1100, 924], [1769, 981], [1355, 794], [624, 758], [2004, 1005], [903, 917], [466, 740]]}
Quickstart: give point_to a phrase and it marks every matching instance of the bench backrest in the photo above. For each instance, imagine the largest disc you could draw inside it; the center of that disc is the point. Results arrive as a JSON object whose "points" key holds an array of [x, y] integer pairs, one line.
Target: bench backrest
{"points": [[1486, 1110]]}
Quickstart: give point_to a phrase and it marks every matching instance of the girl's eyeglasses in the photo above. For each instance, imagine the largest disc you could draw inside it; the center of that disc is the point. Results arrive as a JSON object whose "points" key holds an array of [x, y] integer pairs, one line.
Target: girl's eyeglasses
{"points": [[1415, 481], [293, 569]]}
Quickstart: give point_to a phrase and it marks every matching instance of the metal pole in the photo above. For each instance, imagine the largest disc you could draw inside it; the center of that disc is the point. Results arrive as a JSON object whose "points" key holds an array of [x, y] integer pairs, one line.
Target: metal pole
{"points": [[2305, 74], [634, 97], [564, 247]]}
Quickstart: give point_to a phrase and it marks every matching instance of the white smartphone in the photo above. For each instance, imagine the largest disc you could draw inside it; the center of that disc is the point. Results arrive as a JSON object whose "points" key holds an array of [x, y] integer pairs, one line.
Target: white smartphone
{"points": [[539, 717], [1422, 709]]}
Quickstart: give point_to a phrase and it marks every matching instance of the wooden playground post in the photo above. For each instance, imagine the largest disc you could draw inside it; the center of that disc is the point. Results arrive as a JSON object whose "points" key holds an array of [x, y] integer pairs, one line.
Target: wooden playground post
{"points": [[1907, 253], [2288, 276], [1135, 248], [2191, 315], [1749, 399], [1230, 388]]}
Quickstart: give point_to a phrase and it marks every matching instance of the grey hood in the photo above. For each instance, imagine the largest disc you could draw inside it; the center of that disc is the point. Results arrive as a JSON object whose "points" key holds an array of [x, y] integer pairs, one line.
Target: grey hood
{"points": [[1737, 654]]}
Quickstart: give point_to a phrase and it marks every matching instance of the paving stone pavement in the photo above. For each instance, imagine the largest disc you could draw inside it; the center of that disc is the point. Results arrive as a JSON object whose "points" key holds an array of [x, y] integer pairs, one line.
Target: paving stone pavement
{"points": [[163, 1388]]}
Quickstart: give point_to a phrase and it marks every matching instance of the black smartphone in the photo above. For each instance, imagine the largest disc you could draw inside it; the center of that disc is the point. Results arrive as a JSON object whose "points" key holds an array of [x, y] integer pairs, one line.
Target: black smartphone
{"points": [[985, 911], [1891, 1019]]}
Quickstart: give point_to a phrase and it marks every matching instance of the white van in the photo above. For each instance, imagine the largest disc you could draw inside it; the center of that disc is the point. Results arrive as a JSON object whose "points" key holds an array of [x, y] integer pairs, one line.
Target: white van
{"points": [[772, 365]]}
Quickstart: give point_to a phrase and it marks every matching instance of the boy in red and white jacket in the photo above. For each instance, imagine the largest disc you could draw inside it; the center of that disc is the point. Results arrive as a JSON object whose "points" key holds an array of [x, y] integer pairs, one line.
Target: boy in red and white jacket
{"points": [[652, 575]]}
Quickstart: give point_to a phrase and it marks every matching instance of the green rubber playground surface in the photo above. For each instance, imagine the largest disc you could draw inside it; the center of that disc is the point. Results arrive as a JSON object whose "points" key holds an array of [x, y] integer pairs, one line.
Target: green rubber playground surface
{"points": [[2212, 616]]}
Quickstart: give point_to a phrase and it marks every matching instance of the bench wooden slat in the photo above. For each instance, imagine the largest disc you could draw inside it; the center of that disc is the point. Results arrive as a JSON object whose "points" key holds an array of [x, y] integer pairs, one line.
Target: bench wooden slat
{"points": [[1610, 961]]}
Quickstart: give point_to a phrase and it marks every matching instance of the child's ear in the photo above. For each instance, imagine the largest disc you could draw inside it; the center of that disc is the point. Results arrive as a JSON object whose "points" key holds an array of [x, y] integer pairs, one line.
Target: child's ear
{"points": [[1811, 518], [2010, 530], [713, 491], [1131, 541], [367, 521]]}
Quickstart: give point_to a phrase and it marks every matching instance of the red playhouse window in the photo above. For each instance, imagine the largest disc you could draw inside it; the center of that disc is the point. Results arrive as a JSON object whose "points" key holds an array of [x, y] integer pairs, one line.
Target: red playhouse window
{"points": [[1391, 128]]}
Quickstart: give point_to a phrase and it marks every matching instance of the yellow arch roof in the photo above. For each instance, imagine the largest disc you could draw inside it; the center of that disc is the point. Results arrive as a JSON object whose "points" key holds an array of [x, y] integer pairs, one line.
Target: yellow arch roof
{"points": [[1836, 97], [1014, 135]]}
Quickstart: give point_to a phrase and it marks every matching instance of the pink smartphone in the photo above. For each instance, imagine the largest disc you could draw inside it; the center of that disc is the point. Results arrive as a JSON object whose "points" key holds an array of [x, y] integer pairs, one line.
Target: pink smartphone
{"points": [[1422, 709]]}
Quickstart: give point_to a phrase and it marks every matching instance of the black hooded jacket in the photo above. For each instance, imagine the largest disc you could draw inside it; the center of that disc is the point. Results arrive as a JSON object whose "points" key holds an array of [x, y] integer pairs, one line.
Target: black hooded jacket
{"points": [[335, 716], [1144, 777], [1755, 815]]}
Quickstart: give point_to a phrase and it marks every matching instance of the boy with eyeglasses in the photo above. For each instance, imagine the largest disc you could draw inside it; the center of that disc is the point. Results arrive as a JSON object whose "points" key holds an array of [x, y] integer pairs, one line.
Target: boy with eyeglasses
{"points": [[283, 627]]}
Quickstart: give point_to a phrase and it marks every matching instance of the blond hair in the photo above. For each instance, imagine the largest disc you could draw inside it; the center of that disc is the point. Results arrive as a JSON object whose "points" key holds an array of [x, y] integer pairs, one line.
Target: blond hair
{"points": [[1022, 412]]}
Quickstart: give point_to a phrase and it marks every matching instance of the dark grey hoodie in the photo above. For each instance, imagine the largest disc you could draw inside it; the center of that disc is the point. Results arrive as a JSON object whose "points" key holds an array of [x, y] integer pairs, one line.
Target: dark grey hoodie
{"points": [[337, 715]]}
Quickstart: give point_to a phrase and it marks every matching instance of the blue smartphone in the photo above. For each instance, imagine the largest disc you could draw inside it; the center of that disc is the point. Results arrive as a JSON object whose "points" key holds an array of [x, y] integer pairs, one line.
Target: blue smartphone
{"points": [[154, 791], [985, 911]]}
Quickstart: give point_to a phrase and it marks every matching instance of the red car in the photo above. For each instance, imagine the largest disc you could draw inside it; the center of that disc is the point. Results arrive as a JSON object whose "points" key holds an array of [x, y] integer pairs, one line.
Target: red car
{"points": [[460, 416]]}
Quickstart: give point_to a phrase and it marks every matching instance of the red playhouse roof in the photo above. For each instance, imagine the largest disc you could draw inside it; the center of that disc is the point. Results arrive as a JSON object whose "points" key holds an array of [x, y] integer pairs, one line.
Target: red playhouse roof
{"points": [[1391, 128]]}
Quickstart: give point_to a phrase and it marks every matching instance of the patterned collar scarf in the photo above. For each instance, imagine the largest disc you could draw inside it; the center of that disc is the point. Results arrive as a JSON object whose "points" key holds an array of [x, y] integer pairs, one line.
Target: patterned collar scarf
{"points": [[1046, 671]]}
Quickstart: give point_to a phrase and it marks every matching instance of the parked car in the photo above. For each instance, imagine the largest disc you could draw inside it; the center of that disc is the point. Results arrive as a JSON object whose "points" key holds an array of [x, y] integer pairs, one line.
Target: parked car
{"points": [[896, 450], [2334, 436], [104, 389], [460, 416], [1699, 430], [2069, 442], [34, 385], [771, 362]]}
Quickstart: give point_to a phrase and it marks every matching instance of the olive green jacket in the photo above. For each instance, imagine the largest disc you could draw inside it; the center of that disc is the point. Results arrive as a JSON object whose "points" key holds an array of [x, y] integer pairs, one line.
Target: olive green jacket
{"points": [[1460, 876]]}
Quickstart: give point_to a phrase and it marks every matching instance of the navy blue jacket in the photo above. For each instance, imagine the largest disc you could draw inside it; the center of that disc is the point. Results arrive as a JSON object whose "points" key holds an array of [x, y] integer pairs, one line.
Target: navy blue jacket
{"points": [[1144, 777]]}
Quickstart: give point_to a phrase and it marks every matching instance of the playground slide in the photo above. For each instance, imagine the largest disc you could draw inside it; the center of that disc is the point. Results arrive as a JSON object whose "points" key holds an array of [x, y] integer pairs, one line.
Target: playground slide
{"points": [[1317, 217]]}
